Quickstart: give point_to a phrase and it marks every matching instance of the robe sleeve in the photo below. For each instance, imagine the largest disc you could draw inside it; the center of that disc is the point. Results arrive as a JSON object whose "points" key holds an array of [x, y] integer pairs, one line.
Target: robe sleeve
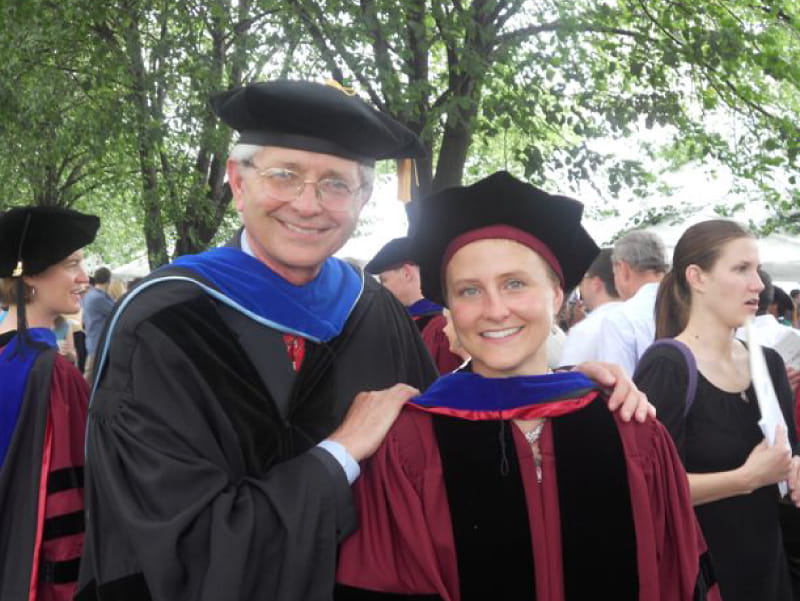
{"points": [[403, 544], [681, 552], [69, 397], [179, 510]]}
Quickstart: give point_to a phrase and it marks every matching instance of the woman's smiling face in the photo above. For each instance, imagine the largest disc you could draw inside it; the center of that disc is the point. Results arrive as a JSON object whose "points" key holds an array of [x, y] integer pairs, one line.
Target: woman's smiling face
{"points": [[503, 299]]}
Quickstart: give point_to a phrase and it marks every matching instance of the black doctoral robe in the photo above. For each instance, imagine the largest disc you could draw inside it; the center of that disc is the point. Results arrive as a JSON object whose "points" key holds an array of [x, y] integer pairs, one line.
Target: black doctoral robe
{"points": [[203, 482]]}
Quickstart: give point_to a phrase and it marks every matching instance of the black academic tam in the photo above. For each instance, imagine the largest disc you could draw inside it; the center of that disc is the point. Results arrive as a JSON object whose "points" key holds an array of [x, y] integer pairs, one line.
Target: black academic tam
{"points": [[39, 237], [393, 254], [501, 199], [325, 118]]}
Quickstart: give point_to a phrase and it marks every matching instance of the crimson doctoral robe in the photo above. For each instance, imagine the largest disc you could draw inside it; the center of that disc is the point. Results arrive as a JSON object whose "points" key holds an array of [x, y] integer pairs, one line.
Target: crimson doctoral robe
{"points": [[407, 540]]}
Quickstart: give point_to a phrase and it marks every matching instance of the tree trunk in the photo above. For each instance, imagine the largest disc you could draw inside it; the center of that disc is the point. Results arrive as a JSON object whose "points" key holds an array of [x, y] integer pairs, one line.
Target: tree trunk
{"points": [[148, 155], [211, 196], [457, 135]]}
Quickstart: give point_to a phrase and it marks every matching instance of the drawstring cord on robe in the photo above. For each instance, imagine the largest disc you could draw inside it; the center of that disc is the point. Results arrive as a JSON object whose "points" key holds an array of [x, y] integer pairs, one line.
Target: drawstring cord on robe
{"points": [[504, 465]]}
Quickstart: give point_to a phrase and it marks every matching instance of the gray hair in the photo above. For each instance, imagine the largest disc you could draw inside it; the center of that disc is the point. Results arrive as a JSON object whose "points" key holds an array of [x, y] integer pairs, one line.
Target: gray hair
{"points": [[242, 153], [642, 250]]}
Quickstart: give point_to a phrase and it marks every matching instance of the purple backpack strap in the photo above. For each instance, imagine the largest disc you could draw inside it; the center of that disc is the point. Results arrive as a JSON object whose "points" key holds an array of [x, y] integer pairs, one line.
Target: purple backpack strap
{"points": [[691, 366]]}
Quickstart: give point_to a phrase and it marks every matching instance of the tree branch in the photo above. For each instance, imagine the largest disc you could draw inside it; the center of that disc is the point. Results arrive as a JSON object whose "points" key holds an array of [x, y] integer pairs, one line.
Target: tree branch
{"points": [[519, 35], [330, 47], [386, 73]]}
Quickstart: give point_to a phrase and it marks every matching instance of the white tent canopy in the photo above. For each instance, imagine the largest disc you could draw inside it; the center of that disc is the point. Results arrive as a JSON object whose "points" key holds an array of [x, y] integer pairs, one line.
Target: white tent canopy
{"points": [[138, 268]]}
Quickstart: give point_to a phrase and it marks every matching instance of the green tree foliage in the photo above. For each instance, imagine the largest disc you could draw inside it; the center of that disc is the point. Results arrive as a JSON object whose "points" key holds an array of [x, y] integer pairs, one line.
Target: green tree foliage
{"points": [[169, 58], [53, 154], [104, 105], [131, 109], [544, 78]]}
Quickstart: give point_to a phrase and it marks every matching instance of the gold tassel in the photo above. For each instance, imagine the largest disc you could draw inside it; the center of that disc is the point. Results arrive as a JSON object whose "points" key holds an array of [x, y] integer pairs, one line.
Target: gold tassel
{"points": [[404, 169], [335, 84], [17, 270]]}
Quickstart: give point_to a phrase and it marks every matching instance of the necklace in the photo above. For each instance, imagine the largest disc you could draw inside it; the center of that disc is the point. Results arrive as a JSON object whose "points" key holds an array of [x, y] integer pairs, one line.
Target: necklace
{"points": [[532, 436]]}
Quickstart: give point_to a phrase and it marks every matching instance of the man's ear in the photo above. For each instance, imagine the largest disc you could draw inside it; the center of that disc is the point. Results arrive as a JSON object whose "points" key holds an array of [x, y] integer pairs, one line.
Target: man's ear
{"points": [[596, 284], [235, 181], [621, 271]]}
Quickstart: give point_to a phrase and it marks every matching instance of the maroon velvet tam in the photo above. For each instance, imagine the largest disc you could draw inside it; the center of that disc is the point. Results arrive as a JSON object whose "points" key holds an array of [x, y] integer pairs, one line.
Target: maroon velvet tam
{"points": [[501, 206], [503, 232]]}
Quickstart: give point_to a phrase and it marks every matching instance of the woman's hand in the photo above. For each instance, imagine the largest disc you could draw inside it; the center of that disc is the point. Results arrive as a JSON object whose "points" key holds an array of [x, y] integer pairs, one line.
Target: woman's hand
{"points": [[768, 464]]}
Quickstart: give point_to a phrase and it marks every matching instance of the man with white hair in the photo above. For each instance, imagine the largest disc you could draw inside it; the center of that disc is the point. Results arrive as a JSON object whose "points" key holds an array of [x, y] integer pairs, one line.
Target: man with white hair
{"points": [[219, 451], [639, 264]]}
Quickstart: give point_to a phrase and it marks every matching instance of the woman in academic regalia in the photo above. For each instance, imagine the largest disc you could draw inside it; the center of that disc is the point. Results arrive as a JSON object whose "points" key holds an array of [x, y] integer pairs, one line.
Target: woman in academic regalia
{"points": [[504, 481], [712, 289], [43, 403]]}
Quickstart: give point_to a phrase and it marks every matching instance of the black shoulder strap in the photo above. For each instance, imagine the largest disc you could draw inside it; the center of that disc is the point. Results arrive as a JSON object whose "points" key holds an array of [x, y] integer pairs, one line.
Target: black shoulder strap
{"points": [[688, 357]]}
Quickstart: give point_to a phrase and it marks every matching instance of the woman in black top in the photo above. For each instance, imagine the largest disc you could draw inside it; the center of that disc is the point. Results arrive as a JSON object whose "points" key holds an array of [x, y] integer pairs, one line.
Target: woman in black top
{"points": [[713, 289]]}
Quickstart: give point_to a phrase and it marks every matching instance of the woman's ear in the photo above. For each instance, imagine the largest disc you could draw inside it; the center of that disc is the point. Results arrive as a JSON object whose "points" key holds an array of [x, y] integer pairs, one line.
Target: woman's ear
{"points": [[558, 299], [695, 277]]}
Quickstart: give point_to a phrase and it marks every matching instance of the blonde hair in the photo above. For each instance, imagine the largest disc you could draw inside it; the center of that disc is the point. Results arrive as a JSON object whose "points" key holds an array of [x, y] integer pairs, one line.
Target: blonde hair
{"points": [[116, 288]]}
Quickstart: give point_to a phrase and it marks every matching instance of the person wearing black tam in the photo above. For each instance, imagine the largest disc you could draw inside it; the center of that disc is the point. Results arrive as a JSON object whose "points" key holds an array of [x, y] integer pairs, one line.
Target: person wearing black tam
{"points": [[503, 481], [398, 273], [220, 459], [44, 403]]}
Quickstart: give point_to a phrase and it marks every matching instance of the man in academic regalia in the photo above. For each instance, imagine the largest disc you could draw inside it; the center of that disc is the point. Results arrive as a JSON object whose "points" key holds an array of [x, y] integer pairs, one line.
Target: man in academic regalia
{"points": [[218, 468], [400, 275], [229, 411]]}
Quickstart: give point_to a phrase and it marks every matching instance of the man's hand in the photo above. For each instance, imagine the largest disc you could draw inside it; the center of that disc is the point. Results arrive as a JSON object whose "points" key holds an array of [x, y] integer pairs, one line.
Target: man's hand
{"points": [[624, 395], [369, 419], [794, 378], [794, 480]]}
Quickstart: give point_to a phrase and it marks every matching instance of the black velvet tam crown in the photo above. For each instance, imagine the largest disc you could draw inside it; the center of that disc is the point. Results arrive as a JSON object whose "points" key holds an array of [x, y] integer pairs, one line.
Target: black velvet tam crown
{"points": [[393, 254], [34, 238], [502, 202], [316, 117]]}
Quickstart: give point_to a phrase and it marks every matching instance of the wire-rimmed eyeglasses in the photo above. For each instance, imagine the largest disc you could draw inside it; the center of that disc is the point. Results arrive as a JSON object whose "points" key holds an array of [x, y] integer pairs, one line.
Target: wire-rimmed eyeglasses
{"points": [[286, 185]]}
